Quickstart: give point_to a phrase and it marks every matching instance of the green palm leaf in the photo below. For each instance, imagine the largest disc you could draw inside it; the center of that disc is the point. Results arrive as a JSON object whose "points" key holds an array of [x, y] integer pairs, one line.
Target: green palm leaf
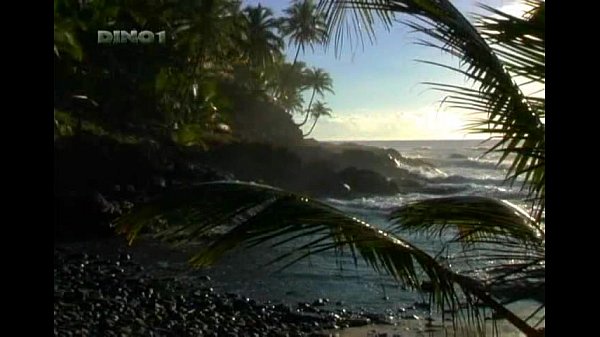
{"points": [[304, 25], [261, 41], [319, 110], [227, 215], [475, 217], [319, 81], [503, 241]]}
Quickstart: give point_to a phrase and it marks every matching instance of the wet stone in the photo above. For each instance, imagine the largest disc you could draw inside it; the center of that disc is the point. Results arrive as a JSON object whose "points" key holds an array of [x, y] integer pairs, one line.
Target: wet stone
{"points": [[108, 296]]}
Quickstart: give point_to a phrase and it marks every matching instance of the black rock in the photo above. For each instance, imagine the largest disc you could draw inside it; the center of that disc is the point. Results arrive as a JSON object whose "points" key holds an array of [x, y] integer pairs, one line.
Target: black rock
{"points": [[319, 302], [367, 182]]}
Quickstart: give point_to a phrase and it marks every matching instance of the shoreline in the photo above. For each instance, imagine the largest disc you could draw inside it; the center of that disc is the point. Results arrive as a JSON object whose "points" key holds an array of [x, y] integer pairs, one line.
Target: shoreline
{"points": [[104, 288], [139, 284]]}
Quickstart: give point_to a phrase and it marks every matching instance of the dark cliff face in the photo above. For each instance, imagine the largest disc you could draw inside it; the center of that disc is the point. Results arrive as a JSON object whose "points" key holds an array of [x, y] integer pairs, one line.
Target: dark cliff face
{"points": [[264, 122]]}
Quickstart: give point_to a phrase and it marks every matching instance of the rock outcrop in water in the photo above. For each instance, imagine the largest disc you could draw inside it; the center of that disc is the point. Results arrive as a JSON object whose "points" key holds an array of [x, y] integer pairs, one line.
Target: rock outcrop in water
{"points": [[320, 169], [96, 178], [367, 182]]}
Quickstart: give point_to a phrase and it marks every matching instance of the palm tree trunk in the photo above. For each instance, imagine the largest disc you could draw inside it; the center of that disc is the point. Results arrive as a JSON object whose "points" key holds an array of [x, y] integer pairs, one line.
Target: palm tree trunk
{"points": [[311, 128], [296, 57], [308, 109]]}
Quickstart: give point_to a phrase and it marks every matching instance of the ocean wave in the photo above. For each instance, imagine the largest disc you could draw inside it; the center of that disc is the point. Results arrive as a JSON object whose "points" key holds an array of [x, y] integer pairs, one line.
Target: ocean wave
{"points": [[459, 179], [472, 162], [425, 171], [493, 190], [456, 172], [381, 206], [413, 156], [422, 148], [480, 148]]}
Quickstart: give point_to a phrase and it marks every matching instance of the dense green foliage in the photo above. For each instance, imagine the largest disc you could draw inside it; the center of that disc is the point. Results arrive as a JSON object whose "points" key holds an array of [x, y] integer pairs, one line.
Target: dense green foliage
{"points": [[220, 61]]}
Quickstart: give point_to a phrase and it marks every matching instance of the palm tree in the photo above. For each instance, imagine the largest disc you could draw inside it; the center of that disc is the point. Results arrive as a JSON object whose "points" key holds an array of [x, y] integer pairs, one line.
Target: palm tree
{"points": [[209, 33], [288, 84], [319, 110], [262, 44], [320, 81], [291, 101], [205, 48], [495, 51], [304, 25]]}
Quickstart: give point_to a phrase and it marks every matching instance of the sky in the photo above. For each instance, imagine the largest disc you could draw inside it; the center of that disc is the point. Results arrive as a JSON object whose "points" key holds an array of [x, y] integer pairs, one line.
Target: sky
{"points": [[379, 90]]}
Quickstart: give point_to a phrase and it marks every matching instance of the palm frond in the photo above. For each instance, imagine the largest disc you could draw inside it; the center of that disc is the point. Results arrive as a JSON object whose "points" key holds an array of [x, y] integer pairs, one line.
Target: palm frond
{"points": [[491, 240], [226, 215], [474, 217]]}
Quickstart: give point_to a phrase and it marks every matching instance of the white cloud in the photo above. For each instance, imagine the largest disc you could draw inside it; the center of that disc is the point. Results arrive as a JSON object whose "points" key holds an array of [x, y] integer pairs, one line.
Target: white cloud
{"points": [[425, 123], [515, 8]]}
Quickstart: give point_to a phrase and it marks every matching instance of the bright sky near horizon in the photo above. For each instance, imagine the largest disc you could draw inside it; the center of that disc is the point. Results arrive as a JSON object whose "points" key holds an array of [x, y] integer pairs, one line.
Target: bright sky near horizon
{"points": [[379, 93]]}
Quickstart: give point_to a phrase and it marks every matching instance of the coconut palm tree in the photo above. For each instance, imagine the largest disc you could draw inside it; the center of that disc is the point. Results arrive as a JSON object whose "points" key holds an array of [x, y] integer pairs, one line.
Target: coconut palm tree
{"points": [[262, 43], [210, 34], [319, 110], [291, 101], [495, 51], [304, 25], [287, 85], [320, 81]]}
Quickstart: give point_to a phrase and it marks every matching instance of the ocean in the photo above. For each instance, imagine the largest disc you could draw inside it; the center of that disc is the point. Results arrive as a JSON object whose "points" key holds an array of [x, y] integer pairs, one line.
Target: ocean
{"points": [[358, 287]]}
